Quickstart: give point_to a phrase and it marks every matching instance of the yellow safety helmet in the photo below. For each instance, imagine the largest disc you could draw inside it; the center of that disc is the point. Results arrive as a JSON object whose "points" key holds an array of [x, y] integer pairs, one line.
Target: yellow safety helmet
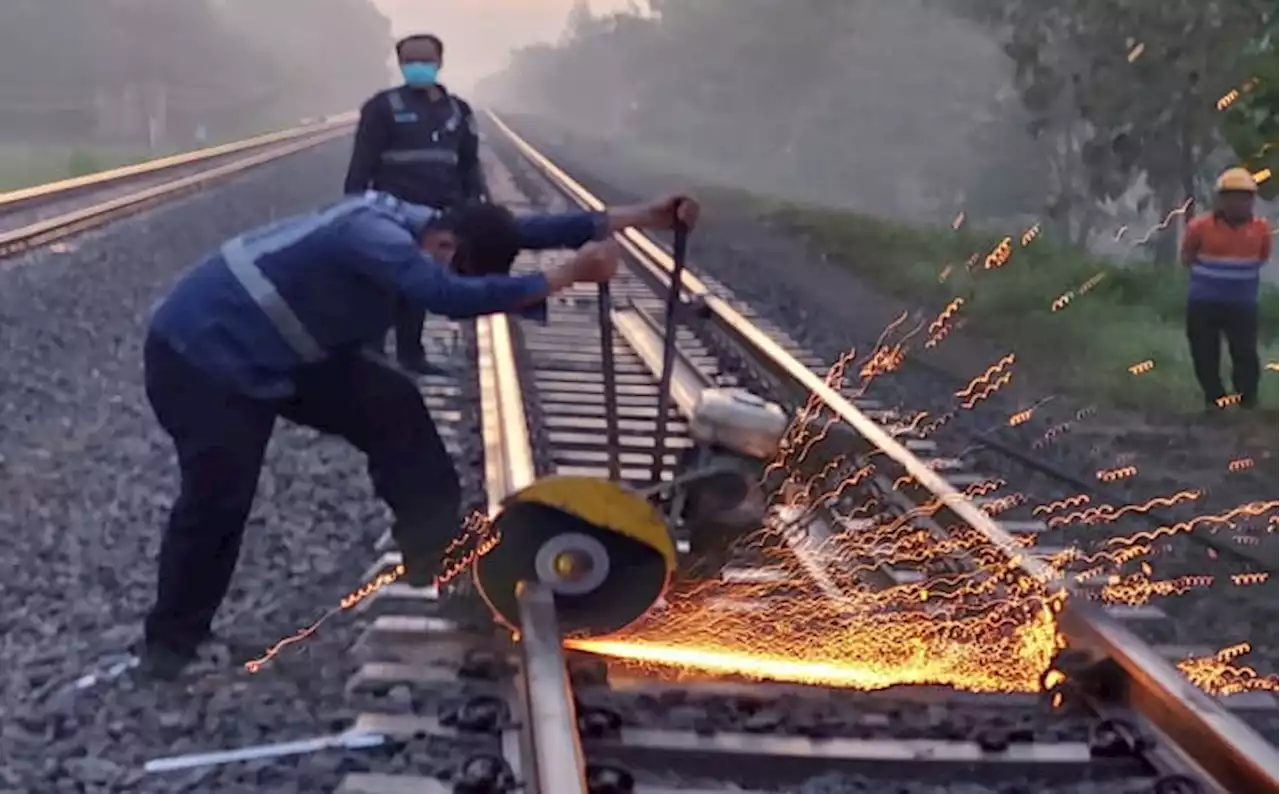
{"points": [[1236, 180]]}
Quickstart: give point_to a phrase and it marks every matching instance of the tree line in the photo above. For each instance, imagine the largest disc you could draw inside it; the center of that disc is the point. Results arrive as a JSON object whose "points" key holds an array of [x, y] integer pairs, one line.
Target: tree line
{"points": [[115, 69], [1119, 100]]}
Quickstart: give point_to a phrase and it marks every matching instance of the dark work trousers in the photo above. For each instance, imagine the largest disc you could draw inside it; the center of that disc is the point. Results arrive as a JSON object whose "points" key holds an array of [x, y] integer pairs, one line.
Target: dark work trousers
{"points": [[221, 435], [409, 332], [1207, 323]]}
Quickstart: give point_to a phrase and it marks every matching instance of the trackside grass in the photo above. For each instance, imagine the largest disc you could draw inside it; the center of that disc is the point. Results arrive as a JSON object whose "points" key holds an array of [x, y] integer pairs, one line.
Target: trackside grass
{"points": [[1132, 314], [24, 166]]}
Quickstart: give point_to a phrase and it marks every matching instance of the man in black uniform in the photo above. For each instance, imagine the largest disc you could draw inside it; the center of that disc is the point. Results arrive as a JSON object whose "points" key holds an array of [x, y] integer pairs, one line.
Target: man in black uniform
{"points": [[418, 143]]}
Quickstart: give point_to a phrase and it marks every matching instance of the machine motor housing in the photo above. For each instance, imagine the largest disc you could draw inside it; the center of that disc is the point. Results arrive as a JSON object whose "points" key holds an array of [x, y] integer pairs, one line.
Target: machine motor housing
{"points": [[737, 434], [738, 422]]}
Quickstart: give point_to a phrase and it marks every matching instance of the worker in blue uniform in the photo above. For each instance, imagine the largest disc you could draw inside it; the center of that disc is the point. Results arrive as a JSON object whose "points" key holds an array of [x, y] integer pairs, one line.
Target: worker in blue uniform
{"points": [[275, 324], [417, 142]]}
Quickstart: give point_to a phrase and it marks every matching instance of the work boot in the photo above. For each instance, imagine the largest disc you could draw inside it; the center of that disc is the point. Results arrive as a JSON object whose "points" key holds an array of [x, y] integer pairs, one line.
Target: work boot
{"points": [[160, 663], [420, 556]]}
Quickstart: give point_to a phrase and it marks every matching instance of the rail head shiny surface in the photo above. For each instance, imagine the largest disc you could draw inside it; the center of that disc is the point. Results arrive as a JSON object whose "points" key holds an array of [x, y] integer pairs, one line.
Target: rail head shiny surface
{"points": [[1228, 750], [1223, 745], [508, 452], [16, 199], [554, 762], [75, 221]]}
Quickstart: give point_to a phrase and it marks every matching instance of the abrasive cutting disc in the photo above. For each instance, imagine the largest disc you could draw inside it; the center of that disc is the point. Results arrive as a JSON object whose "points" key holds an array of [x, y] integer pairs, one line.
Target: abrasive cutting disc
{"points": [[605, 551]]}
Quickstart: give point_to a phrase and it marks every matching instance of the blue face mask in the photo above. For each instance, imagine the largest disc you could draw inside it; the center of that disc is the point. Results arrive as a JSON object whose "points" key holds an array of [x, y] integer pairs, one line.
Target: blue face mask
{"points": [[420, 74]]}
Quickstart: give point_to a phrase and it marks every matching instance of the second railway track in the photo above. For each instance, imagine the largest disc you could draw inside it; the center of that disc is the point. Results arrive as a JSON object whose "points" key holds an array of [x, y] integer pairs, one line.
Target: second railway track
{"points": [[44, 214], [1112, 714]]}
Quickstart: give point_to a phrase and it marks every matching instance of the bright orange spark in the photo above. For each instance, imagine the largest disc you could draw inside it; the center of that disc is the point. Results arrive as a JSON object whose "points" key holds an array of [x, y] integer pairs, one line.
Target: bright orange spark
{"points": [[999, 255], [1136, 52], [1060, 504], [1061, 302], [1240, 464], [1108, 513], [1138, 589], [988, 390], [475, 524], [1021, 417], [1220, 675], [1005, 361], [1142, 366], [1111, 475], [1030, 234], [1262, 176], [1243, 579], [1228, 99], [1227, 401], [1164, 224], [940, 326], [1247, 510], [1273, 366]]}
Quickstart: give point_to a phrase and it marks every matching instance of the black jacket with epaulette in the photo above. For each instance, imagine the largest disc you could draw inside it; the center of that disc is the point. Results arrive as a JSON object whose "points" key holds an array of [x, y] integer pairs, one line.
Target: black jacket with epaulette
{"points": [[419, 150]]}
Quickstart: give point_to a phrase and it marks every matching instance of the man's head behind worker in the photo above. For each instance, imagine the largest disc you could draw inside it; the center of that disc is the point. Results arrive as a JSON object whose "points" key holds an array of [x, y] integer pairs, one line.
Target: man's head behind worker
{"points": [[476, 240], [1236, 192], [421, 57]]}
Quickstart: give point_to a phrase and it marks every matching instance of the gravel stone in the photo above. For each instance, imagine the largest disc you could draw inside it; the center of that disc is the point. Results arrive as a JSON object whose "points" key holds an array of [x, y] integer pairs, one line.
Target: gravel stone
{"points": [[852, 715], [86, 478]]}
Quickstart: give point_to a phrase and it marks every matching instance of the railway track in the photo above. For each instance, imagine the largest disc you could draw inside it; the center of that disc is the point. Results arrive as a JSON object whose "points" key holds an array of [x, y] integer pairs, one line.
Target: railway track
{"points": [[45, 214], [1111, 711]]}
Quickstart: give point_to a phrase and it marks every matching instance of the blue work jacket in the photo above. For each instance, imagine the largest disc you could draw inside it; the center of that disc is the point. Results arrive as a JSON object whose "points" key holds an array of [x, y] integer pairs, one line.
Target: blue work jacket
{"points": [[306, 288]]}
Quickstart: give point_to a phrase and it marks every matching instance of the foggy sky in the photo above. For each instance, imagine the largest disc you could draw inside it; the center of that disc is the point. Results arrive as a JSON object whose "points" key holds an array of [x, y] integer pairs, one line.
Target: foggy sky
{"points": [[478, 34]]}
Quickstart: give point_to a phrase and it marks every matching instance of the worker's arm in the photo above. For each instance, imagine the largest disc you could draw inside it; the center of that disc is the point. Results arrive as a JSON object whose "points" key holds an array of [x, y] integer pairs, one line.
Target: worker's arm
{"points": [[388, 254], [575, 229], [1191, 243], [371, 136], [472, 176]]}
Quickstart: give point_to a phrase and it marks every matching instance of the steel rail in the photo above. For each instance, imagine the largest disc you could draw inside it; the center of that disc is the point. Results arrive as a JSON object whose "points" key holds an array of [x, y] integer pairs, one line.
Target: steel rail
{"points": [[1222, 745], [508, 452], [37, 194], [76, 221], [550, 758]]}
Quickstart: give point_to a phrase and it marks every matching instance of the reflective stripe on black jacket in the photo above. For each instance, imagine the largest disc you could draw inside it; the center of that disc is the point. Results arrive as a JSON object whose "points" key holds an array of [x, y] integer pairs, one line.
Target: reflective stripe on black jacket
{"points": [[416, 149]]}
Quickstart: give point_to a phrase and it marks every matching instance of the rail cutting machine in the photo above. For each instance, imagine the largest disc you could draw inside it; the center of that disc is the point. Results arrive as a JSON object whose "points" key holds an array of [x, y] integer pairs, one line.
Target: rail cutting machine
{"points": [[606, 549]]}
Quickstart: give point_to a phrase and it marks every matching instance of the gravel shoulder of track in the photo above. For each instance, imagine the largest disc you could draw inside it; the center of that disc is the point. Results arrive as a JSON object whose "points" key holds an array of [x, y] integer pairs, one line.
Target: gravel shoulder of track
{"points": [[86, 480], [829, 310]]}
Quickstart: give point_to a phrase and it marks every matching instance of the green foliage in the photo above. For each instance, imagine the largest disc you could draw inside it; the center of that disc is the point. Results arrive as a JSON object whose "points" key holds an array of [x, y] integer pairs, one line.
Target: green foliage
{"points": [[1134, 83], [1250, 123]]}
